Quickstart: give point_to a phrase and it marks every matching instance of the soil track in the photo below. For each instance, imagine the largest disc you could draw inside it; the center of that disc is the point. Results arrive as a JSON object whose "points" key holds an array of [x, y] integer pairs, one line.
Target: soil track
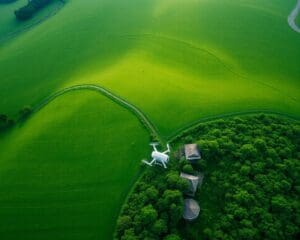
{"points": [[144, 119], [292, 18]]}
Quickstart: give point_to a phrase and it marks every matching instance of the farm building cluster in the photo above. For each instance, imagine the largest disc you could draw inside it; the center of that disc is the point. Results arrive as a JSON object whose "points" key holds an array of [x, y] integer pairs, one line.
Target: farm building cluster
{"points": [[191, 152], [191, 206]]}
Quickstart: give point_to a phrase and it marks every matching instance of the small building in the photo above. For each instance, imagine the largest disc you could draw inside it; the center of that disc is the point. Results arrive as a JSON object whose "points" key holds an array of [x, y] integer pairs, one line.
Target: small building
{"points": [[192, 152], [193, 183], [191, 209]]}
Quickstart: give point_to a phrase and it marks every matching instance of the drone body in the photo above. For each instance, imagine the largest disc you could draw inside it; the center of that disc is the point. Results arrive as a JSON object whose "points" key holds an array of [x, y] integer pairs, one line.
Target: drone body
{"points": [[159, 158]]}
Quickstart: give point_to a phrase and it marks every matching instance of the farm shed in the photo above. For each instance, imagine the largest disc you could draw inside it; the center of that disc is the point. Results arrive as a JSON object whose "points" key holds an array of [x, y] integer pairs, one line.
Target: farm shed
{"points": [[192, 152], [193, 183], [191, 209]]}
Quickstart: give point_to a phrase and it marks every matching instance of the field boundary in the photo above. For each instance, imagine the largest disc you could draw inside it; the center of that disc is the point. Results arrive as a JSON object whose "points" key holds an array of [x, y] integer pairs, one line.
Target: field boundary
{"points": [[292, 18], [117, 99], [145, 120], [178, 133]]}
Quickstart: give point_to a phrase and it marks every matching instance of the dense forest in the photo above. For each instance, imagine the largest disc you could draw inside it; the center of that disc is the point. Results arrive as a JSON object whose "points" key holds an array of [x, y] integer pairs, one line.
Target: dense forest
{"points": [[251, 186], [154, 208], [31, 8]]}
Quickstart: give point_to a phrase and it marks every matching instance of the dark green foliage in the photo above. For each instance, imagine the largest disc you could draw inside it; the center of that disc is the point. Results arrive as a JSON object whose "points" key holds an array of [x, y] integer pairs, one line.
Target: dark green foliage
{"points": [[124, 222], [251, 188], [5, 122], [187, 168], [30, 9], [25, 112], [155, 207], [148, 216], [172, 237]]}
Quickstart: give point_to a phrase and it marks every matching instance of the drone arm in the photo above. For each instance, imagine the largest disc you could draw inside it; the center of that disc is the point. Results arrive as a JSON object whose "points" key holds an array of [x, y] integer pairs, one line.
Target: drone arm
{"points": [[168, 150], [153, 160]]}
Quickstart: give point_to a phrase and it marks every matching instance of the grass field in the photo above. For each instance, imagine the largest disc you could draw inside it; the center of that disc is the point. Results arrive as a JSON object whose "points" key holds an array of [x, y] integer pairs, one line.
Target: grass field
{"points": [[298, 20], [177, 60], [65, 173], [165, 45]]}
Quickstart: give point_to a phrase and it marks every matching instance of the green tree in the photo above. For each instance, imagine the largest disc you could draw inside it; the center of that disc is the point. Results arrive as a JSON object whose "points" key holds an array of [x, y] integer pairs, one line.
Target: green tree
{"points": [[129, 235], [152, 193], [188, 169], [123, 223], [148, 215], [160, 227], [248, 152], [172, 237], [25, 112]]}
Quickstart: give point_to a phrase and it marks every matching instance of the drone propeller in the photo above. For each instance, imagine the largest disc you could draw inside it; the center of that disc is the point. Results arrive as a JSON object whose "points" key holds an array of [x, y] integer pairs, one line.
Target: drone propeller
{"points": [[154, 144]]}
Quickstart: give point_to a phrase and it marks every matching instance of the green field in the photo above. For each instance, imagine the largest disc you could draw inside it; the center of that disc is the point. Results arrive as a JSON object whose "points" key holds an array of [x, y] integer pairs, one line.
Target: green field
{"points": [[165, 45], [177, 60], [65, 173], [298, 20]]}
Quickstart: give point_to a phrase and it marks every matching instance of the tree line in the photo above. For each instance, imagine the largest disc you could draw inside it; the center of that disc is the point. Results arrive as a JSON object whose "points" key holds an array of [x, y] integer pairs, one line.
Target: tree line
{"points": [[7, 122], [33, 6]]}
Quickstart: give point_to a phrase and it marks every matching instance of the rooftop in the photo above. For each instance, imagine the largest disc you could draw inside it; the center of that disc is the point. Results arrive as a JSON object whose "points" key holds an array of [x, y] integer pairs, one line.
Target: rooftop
{"points": [[191, 209], [192, 152], [193, 181]]}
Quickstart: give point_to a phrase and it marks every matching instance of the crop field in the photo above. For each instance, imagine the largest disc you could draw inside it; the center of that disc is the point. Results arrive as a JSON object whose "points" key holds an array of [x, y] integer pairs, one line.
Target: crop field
{"points": [[66, 170]]}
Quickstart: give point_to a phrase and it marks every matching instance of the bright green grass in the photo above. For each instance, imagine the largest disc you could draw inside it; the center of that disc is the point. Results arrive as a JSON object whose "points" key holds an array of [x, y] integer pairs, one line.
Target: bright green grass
{"points": [[9, 24], [174, 59], [65, 173]]}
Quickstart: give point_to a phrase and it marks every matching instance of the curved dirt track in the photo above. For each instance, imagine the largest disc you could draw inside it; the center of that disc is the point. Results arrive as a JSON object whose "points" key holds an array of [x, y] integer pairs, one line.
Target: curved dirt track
{"points": [[135, 110], [292, 18], [143, 117]]}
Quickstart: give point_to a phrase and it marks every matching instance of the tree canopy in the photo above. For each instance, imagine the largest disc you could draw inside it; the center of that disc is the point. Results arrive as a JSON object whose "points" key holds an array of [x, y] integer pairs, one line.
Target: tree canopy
{"points": [[31, 8], [250, 189]]}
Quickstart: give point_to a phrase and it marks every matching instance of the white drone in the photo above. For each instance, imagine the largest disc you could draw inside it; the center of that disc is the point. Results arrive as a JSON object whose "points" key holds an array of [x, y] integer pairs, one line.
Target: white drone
{"points": [[159, 158]]}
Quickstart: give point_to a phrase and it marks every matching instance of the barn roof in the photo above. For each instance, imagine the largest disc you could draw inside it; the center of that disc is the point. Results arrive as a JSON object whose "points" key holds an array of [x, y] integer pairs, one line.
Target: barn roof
{"points": [[191, 209], [193, 181], [192, 152]]}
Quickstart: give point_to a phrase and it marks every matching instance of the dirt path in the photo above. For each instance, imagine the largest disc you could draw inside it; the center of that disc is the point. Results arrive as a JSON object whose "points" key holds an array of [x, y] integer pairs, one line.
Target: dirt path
{"points": [[292, 18], [143, 117], [135, 110], [196, 123]]}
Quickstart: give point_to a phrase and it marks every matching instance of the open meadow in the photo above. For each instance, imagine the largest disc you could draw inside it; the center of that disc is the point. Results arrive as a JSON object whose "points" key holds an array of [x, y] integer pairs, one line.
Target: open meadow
{"points": [[65, 171]]}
